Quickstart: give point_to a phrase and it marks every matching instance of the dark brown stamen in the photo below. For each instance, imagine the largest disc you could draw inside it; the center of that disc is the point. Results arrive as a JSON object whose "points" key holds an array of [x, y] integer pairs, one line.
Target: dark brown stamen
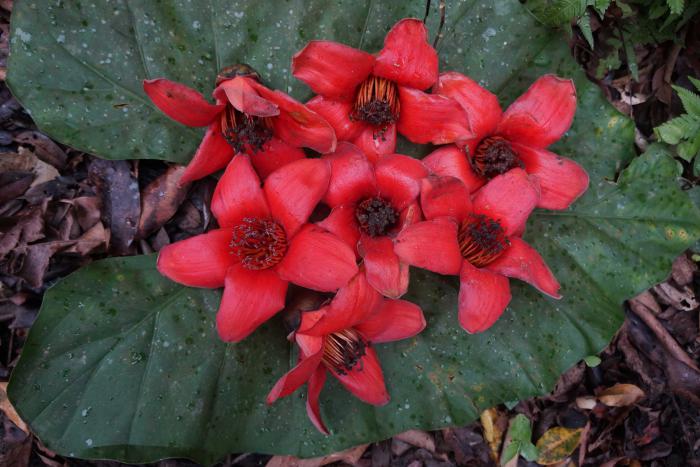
{"points": [[245, 133], [494, 156], [343, 351], [376, 216], [377, 103], [259, 243], [481, 239]]}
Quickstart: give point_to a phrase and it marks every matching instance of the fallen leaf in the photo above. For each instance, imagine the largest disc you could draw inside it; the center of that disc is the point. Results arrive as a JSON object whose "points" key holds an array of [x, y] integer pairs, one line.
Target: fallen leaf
{"points": [[417, 438], [14, 183], [161, 199], [9, 410], [44, 147], [556, 444], [349, 456], [621, 395], [494, 423]]}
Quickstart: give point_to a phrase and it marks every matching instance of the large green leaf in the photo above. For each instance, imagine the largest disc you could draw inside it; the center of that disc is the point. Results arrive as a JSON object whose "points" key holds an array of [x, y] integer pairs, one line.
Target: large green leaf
{"points": [[124, 364]]}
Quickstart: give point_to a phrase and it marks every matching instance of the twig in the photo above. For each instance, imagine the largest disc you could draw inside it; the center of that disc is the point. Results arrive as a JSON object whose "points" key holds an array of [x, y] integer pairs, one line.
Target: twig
{"points": [[427, 11], [673, 56], [439, 35]]}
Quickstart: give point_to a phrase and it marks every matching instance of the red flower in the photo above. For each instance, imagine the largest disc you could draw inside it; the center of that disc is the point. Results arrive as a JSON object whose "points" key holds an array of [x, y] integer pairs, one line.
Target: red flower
{"points": [[479, 242], [247, 118], [517, 137], [364, 97], [264, 242], [338, 337], [370, 205]]}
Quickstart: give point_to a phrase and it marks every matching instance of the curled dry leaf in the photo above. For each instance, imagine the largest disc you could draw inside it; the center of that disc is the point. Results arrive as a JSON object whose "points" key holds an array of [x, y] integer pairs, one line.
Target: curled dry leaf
{"points": [[557, 443], [161, 199], [417, 438], [621, 395]]}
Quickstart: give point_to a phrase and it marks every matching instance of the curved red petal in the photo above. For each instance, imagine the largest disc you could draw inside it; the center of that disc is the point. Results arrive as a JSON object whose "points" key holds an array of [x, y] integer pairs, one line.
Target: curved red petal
{"points": [[444, 196], [365, 380], [398, 179], [562, 180], [508, 198], [212, 155], [243, 96], [352, 304], [295, 377], [481, 106], [452, 161], [199, 261], [432, 118], [181, 103], [407, 58], [385, 272], [375, 143], [337, 114], [318, 260], [393, 321], [250, 298], [352, 176], [332, 69], [294, 190], [297, 124], [541, 115], [523, 262], [318, 379], [238, 194], [275, 154], [483, 296], [343, 224], [430, 245]]}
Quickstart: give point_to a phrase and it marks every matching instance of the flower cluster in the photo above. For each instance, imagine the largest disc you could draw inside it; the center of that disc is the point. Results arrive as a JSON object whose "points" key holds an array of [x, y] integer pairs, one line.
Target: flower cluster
{"points": [[348, 218]]}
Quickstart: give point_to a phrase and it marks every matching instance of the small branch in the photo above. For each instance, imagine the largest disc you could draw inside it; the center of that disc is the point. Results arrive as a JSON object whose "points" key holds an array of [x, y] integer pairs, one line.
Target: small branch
{"points": [[427, 11], [440, 34]]}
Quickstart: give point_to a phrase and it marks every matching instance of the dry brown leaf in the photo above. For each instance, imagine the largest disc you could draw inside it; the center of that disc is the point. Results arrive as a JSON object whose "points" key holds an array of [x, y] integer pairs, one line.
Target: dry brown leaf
{"points": [[586, 402], [556, 444], [9, 410], [621, 395], [161, 199], [350, 456], [417, 438], [494, 424]]}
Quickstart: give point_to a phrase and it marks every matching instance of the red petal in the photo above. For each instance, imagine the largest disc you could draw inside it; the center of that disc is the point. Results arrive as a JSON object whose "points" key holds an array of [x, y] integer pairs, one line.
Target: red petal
{"points": [[332, 69], [398, 179], [297, 124], [521, 261], [294, 190], [199, 261], [182, 104], [395, 320], [508, 198], [243, 96], [275, 154], [444, 196], [385, 272], [431, 118], [295, 377], [342, 222], [352, 176], [318, 260], [337, 114], [212, 155], [365, 380], [238, 194], [562, 180], [541, 115], [318, 379], [452, 161], [483, 296], [250, 298], [407, 58], [351, 305], [481, 106], [430, 245], [375, 143]]}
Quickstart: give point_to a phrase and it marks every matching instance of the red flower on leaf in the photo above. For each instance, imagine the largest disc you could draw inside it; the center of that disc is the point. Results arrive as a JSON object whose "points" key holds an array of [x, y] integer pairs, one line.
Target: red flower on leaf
{"points": [[263, 244], [370, 205], [337, 338], [479, 241], [517, 137], [249, 118], [366, 97]]}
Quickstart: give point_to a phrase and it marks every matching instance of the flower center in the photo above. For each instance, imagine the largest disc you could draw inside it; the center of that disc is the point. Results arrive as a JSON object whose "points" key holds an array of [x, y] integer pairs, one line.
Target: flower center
{"points": [[376, 102], [245, 133], [494, 156], [481, 239], [376, 216], [259, 243], [343, 350]]}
